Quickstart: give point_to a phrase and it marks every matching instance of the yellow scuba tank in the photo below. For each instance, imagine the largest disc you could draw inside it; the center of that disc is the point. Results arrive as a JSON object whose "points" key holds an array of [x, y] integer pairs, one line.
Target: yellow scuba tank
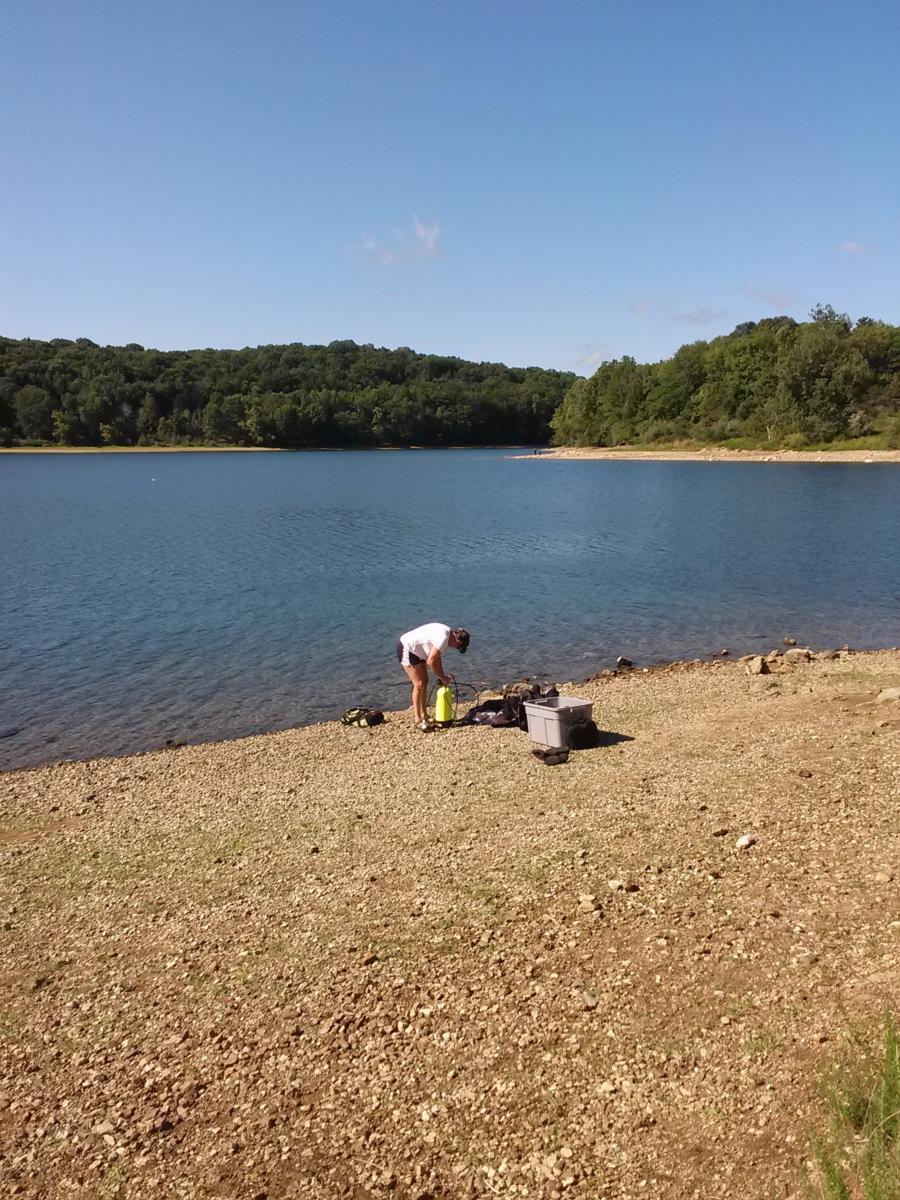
{"points": [[443, 705]]}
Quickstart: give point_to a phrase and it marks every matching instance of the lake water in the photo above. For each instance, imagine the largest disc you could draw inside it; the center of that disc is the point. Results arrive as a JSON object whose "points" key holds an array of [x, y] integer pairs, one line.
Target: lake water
{"points": [[193, 596]]}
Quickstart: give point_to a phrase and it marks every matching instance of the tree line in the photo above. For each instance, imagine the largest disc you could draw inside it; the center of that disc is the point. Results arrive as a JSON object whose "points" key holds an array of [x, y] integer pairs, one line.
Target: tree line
{"points": [[774, 381], [76, 393]]}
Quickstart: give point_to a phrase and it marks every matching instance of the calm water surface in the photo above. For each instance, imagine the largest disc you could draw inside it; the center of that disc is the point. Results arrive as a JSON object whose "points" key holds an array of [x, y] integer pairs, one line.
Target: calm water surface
{"points": [[196, 596]]}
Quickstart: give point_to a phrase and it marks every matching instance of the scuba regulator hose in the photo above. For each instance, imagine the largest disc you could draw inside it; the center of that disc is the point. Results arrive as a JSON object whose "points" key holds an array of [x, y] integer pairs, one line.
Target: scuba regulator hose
{"points": [[455, 688]]}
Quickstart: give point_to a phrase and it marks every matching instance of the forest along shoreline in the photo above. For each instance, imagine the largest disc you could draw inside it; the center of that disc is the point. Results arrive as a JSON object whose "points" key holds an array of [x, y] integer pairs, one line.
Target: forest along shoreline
{"points": [[712, 454], [625, 453], [332, 960], [190, 447]]}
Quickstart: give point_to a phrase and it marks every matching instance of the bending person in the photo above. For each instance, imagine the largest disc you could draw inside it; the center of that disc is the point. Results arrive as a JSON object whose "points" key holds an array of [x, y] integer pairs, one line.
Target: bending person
{"points": [[422, 648]]}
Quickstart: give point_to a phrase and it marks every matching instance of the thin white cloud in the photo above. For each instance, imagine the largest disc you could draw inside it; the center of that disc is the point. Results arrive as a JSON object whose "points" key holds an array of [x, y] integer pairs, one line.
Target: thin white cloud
{"points": [[427, 236], [650, 307], [700, 316], [779, 299], [380, 253], [592, 354], [854, 248], [660, 308], [421, 240]]}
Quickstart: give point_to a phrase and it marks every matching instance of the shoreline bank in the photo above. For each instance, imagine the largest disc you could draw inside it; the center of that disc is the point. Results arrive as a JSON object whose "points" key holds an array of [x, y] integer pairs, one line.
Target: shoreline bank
{"points": [[724, 656], [713, 454], [138, 449], [237, 449], [336, 959]]}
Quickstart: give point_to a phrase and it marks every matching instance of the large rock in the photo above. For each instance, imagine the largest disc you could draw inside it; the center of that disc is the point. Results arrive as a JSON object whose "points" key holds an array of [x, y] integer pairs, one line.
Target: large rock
{"points": [[757, 666], [888, 694], [797, 655]]}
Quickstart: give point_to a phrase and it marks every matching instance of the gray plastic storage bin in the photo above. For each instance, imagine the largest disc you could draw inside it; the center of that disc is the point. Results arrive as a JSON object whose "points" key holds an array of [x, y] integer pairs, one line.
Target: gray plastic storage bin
{"points": [[549, 718]]}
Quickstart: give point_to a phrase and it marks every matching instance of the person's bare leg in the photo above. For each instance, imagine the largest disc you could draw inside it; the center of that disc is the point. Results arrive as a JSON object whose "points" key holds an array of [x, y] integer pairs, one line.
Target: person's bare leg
{"points": [[418, 676]]}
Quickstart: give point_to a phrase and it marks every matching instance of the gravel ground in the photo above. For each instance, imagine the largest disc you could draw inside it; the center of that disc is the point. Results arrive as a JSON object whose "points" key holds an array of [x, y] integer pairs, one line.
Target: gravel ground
{"points": [[339, 962]]}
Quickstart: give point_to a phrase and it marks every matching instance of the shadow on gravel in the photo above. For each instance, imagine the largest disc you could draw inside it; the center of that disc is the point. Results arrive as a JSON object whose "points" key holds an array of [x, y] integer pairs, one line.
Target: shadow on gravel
{"points": [[608, 738]]}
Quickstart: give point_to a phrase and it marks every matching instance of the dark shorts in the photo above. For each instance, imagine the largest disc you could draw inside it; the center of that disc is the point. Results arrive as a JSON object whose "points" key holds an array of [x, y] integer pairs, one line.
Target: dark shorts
{"points": [[414, 659]]}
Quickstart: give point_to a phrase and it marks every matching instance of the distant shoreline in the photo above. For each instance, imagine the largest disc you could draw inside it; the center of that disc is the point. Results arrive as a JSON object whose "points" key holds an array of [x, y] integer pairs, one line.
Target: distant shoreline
{"points": [[133, 449], [241, 449], [715, 454], [604, 453]]}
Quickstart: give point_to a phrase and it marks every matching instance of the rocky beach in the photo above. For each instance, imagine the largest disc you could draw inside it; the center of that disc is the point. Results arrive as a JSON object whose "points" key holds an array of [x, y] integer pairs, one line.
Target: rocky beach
{"points": [[339, 962]]}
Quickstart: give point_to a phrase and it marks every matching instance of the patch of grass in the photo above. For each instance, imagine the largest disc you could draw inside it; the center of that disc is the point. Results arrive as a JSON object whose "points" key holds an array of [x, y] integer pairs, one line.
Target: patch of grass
{"points": [[874, 441], [113, 1185], [760, 1046], [541, 869], [488, 893], [858, 1155]]}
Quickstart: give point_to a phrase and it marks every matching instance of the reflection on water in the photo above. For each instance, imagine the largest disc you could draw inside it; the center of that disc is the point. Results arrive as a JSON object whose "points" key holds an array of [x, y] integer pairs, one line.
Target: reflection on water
{"points": [[197, 596]]}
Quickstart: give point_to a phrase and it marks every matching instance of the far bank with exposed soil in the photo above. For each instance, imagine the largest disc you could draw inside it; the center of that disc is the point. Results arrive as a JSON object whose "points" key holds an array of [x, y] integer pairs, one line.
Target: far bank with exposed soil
{"points": [[714, 454]]}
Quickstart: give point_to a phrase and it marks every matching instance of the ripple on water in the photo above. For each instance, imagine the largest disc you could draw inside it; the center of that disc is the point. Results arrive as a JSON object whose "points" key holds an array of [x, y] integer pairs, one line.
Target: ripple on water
{"points": [[249, 592]]}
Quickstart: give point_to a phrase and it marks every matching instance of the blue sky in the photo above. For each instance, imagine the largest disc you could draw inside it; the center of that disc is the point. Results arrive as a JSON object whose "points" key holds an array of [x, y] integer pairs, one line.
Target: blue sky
{"points": [[535, 183]]}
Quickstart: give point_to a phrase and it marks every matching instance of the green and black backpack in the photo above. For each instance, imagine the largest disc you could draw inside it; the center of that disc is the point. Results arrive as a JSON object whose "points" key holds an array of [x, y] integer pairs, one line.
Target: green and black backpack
{"points": [[363, 718]]}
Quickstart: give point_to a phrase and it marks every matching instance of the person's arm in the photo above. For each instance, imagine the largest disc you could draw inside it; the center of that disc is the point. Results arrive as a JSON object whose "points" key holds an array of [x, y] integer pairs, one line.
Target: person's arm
{"points": [[434, 661]]}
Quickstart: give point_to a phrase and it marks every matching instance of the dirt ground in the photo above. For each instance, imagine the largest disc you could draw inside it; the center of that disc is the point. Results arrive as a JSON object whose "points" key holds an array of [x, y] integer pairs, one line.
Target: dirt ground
{"points": [[718, 454], [339, 962]]}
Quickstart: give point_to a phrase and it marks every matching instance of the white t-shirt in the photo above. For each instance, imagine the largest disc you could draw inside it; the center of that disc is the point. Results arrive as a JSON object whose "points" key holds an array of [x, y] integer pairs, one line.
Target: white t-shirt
{"points": [[423, 640]]}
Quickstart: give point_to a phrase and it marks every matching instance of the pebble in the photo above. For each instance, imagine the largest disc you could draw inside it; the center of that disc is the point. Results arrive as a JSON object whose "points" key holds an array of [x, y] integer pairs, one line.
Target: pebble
{"points": [[745, 842]]}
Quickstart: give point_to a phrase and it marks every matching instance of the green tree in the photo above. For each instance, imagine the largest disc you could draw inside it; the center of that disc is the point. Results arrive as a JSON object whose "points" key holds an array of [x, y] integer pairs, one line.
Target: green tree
{"points": [[63, 427], [34, 412], [7, 411], [821, 380], [223, 420], [824, 314], [147, 418]]}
